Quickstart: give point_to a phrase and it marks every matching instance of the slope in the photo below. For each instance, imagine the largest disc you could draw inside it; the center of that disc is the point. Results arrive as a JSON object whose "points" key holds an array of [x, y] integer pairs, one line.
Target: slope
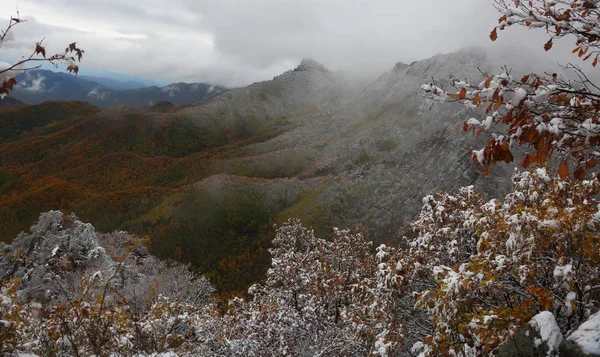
{"points": [[206, 183]]}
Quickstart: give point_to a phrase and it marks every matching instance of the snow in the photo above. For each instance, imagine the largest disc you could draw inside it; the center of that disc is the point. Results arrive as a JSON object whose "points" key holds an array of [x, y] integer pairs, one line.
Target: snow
{"points": [[520, 94], [479, 155], [565, 272], [587, 336], [545, 324]]}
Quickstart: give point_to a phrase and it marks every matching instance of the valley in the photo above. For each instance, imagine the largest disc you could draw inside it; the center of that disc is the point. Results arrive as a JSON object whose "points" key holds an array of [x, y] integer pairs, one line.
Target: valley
{"points": [[207, 183]]}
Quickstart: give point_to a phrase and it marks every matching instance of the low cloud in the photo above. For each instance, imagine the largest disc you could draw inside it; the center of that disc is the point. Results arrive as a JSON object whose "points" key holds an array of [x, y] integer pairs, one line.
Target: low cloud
{"points": [[236, 42]]}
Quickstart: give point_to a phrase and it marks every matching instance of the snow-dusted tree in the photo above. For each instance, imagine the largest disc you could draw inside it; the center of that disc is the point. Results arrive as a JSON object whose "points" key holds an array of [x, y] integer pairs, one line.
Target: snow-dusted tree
{"points": [[320, 298], [546, 114], [493, 265]]}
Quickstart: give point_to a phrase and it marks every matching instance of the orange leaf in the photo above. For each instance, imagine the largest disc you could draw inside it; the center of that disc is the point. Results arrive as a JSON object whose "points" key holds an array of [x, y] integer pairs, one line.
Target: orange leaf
{"points": [[595, 61], [463, 93], [525, 79], [503, 18], [548, 45], [563, 170], [494, 35], [498, 103], [488, 81], [575, 49], [477, 100]]}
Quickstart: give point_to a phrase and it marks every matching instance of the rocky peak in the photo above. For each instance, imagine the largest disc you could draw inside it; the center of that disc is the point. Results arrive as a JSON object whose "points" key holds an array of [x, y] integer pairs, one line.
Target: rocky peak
{"points": [[309, 64], [399, 66]]}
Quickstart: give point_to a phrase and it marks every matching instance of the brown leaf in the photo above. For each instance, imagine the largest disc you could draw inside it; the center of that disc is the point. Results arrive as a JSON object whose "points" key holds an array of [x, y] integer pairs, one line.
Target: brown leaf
{"points": [[10, 83], [563, 170], [579, 173], [477, 100], [463, 93], [73, 68], [507, 156], [595, 61], [575, 49], [39, 49], [494, 35], [558, 30], [548, 45], [525, 79], [503, 18], [590, 164]]}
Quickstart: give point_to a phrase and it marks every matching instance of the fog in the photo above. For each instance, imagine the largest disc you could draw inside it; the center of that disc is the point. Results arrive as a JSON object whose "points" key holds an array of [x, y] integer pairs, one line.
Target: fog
{"points": [[236, 42]]}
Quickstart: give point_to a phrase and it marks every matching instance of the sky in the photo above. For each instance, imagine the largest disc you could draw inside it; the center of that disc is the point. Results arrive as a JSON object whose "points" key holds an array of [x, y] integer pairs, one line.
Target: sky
{"points": [[237, 42]]}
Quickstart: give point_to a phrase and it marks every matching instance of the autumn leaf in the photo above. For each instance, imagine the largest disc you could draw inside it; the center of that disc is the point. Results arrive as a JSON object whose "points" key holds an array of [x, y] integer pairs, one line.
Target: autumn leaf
{"points": [[73, 68], [488, 81], [563, 170], [548, 45], [39, 49], [462, 93], [525, 79], [494, 35], [595, 61], [579, 173], [591, 163], [10, 83], [498, 103]]}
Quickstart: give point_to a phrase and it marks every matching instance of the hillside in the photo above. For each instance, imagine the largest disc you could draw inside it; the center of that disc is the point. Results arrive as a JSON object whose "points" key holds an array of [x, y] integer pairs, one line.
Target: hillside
{"points": [[206, 183]]}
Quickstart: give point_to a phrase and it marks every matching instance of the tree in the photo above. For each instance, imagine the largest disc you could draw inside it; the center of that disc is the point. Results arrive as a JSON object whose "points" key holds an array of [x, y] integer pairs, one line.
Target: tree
{"points": [[320, 298], [547, 114], [485, 268], [71, 55], [494, 265]]}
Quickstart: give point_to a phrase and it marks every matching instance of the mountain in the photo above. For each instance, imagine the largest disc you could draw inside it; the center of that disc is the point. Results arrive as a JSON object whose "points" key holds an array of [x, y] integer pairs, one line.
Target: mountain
{"points": [[207, 182], [114, 84], [37, 86]]}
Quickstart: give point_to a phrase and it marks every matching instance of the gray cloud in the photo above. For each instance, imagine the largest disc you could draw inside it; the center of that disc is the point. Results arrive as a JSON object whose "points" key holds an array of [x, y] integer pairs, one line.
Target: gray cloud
{"points": [[235, 42]]}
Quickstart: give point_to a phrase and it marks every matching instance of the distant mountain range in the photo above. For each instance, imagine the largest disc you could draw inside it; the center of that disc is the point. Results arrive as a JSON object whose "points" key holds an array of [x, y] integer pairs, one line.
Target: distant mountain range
{"points": [[34, 87], [115, 84]]}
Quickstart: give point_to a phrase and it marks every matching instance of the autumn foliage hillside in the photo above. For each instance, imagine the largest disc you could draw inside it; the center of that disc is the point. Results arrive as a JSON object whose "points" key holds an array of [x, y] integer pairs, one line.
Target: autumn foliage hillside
{"points": [[122, 168]]}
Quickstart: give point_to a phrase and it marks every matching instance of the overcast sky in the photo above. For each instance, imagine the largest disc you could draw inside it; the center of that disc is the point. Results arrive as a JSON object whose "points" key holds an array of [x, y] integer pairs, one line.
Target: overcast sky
{"points": [[236, 42]]}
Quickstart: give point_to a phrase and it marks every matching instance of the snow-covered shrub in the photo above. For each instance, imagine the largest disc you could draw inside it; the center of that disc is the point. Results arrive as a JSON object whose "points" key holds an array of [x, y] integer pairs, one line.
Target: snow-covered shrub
{"points": [[493, 265], [319, 298]]}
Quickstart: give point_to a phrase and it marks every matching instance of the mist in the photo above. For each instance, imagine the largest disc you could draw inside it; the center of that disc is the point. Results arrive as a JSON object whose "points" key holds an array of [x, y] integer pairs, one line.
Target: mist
{"points": [[237, 42]]}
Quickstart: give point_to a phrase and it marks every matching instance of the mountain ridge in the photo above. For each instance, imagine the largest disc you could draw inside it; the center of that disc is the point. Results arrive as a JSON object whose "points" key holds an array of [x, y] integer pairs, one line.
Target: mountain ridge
{"points": [[197, 179]]}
